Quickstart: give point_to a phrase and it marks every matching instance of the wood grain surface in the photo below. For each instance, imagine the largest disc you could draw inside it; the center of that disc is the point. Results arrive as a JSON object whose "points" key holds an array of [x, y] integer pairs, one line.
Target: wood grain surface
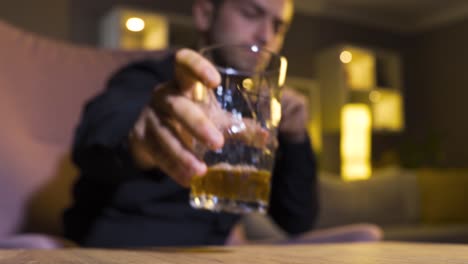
{"points": [[357, 253]]}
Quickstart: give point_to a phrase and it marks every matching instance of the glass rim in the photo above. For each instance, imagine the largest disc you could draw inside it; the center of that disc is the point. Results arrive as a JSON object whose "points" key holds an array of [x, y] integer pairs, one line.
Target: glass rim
{"points": [[232, 71]]}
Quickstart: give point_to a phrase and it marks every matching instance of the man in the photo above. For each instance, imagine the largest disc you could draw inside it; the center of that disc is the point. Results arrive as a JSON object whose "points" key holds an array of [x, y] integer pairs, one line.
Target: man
{"points": [[135, 166]]}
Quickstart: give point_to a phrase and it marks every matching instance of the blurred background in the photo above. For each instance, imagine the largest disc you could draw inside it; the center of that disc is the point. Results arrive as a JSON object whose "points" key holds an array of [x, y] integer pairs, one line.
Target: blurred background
{"points": [[385, 81], [403, 61]]}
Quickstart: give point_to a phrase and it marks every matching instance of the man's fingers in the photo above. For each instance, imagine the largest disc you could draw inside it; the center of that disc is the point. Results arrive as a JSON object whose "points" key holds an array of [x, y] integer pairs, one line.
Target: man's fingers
{"points": [[294, 116], [246, 130], [141, 153], [292, 103], [191, 67], [159, 147], [194, 119], [253, 134], [177, 161]]}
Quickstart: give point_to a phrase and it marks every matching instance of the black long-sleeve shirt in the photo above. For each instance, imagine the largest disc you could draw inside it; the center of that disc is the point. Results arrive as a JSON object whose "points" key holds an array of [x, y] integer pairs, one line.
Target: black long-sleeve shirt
{"points": [[118, 205]]}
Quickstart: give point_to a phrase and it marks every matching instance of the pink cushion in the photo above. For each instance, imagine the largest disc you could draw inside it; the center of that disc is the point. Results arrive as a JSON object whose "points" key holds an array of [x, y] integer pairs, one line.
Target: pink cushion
{"points": [[43, 86]]}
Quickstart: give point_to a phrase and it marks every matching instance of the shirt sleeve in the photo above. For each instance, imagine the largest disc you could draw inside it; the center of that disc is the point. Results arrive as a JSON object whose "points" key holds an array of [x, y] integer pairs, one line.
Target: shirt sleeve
{"points": [[100, 141], [294, 195]]}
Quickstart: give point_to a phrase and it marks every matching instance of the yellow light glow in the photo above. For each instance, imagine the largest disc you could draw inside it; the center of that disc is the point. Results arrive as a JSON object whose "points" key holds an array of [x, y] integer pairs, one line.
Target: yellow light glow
{"points": [[374, 96], [135, 24], [360, 72], [248, 84], [200, 93], [355, 145], [346, 56], [283, 71], [155, 38], [388, 111], [275, 112]]}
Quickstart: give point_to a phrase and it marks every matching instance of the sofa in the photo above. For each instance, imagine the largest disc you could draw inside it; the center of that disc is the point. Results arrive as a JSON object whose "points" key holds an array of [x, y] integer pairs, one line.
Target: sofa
{"points": [[423, 205], [44, 84]]}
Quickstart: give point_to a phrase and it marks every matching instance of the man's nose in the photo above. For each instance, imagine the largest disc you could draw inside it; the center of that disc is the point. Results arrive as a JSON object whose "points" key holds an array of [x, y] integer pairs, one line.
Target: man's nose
{"points": [[265, 32]]}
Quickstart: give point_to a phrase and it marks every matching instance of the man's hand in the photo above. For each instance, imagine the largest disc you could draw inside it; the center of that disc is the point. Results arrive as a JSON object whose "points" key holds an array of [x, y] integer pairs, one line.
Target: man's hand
{"points": [[163, 135], [294, 116]]}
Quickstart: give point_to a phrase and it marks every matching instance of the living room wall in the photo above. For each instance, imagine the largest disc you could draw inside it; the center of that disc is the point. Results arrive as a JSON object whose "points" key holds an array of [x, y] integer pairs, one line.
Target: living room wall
{"points": [[311, 34], [46, 17], [86, 15], [436, 65], [307, 36]]}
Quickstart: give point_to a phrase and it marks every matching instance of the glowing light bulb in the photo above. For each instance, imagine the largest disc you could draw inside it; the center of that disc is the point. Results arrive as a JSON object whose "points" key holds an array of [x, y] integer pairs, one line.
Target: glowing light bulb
{"points": [[135, 24], [346, 56]]}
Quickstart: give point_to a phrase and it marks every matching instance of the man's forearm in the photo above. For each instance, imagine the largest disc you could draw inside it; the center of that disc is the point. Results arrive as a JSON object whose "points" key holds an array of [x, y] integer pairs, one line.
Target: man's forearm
{"points": [[294, 199]]}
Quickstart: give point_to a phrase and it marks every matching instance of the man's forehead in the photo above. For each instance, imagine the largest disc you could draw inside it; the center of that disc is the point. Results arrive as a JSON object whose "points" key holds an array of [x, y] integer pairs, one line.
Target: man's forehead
{"points": [[281, 9]]}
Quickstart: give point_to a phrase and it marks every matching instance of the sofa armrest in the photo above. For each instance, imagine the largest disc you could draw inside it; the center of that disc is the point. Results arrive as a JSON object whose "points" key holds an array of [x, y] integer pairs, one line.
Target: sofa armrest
{"points": [[389, 197], [34, 241], [447, 233]]}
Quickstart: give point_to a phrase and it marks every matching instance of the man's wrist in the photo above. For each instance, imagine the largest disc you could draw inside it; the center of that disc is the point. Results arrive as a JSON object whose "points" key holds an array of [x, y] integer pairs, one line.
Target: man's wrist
{"points": [[294, 138]]}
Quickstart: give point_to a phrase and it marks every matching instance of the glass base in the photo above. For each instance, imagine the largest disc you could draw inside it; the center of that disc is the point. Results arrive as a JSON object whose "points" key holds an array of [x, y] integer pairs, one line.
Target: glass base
{"points": [[215, 204]]}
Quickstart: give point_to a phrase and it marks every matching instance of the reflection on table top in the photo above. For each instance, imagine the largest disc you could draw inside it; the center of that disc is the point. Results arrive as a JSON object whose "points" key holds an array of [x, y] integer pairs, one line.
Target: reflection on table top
{"points": [[357, 253]]}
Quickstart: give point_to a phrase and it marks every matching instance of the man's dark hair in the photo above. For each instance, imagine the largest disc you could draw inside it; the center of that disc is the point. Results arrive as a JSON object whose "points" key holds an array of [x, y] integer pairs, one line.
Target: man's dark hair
{"points": [[216, 6], [217, 3]]}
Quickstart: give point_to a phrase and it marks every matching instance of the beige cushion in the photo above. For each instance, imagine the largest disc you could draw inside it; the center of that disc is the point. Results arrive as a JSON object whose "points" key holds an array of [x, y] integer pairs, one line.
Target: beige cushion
{"points": [[389, 197], [444, 195]]}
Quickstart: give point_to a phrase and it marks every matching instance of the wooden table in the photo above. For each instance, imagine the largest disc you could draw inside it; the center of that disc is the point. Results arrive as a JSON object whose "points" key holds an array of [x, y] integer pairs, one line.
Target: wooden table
{"points": [[358, 253]]}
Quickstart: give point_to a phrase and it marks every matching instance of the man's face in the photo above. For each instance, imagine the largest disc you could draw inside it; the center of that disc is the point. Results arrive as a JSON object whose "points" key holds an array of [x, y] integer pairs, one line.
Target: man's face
{"points": [[260, 22]]}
